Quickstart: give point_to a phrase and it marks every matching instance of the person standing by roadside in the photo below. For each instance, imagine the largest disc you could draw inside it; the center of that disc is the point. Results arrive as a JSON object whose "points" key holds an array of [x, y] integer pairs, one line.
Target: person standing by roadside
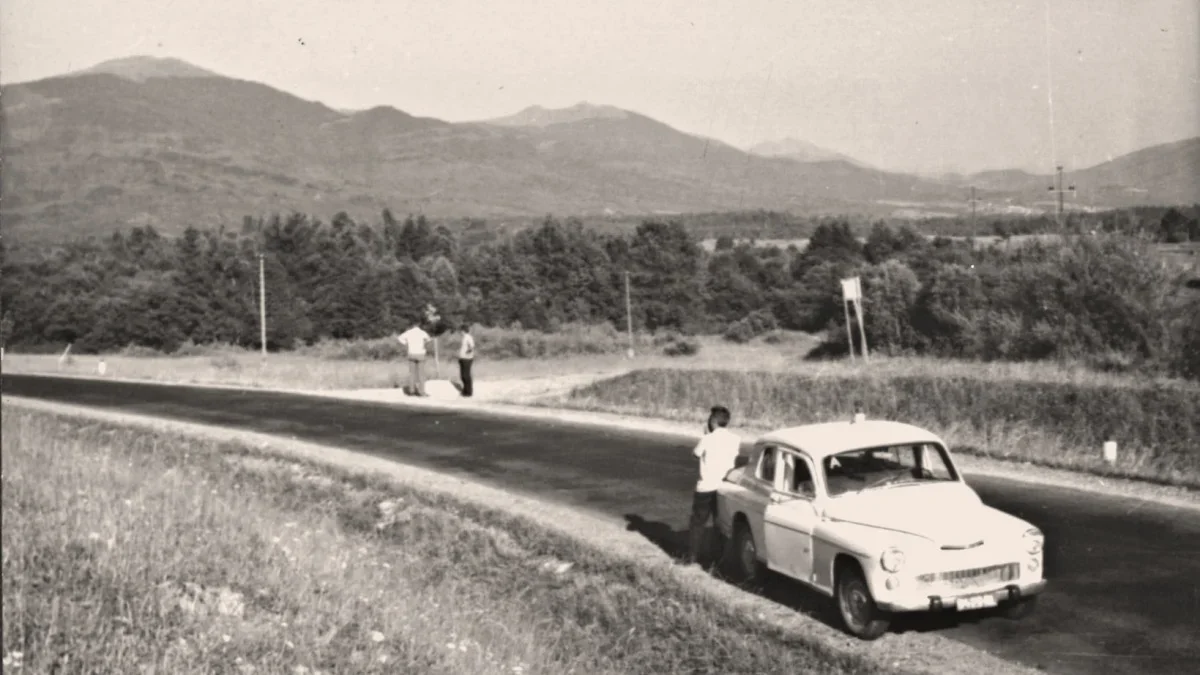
{"points": [[415, 341], [717, 451], [466, 356]]}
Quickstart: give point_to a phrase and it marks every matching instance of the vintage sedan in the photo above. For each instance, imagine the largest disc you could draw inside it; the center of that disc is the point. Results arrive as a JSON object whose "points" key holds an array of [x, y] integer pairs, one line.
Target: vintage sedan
{"points": [[876, 515]]}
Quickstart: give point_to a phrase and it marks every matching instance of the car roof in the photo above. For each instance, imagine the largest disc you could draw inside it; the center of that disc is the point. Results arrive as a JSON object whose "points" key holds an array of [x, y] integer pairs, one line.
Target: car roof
{"points": [[829, 438]]}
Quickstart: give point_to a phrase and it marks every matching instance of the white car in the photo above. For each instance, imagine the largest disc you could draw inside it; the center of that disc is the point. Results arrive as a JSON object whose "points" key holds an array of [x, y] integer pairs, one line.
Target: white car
{"points": [[876, 515]]}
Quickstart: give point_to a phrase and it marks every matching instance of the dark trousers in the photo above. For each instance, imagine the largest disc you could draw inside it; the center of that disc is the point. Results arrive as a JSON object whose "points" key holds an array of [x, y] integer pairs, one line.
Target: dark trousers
{"points": [[704, 508], [464, 372]]}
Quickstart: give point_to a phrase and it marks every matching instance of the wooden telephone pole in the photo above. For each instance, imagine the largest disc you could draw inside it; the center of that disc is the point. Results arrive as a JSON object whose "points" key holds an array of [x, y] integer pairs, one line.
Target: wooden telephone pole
{"points": [[974, 201], [1059, 189], [262, 306]]}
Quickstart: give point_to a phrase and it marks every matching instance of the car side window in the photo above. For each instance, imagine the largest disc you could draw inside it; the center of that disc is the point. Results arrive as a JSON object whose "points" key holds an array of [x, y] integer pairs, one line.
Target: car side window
{"points": [[766, 465], [799, 476]]}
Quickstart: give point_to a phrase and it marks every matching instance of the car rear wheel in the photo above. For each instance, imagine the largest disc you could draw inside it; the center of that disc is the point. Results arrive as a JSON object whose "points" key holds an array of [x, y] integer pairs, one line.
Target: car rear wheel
{"points": [[750, 569], [861, 616], [1019, 609]]}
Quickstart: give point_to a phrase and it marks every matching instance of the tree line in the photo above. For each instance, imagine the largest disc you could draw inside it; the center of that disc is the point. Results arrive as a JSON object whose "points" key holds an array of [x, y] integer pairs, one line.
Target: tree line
{"points": [[1089, 295]]}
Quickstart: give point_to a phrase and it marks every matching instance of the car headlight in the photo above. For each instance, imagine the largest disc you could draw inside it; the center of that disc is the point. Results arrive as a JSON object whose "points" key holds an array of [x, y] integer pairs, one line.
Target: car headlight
{"points": [[1034, 541], [892, 560]]}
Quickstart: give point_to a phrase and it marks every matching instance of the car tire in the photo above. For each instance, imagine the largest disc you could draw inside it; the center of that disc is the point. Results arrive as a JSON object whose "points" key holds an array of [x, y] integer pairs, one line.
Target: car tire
{"points": [[750, 569], [856, 606], [1019, 609]]}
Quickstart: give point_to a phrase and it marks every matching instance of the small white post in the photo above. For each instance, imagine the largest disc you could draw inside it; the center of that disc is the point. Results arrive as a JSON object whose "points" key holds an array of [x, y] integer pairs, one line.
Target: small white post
{"points": [[1110, 452], [102, 367]]}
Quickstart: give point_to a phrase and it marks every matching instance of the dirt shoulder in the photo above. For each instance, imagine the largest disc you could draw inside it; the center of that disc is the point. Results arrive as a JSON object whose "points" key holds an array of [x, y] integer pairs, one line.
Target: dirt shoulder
{"points": [[908, 652], [539, 398]]}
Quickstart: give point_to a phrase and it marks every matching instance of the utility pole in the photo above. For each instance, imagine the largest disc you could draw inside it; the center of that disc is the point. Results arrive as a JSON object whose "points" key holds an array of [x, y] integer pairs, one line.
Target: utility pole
{"points": [[1060, 192], [628, 314], [262, 306], [974, 201]]}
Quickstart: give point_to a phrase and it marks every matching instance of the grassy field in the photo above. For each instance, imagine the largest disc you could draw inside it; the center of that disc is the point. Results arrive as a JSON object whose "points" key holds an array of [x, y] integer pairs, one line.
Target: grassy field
{"points": [[1054, 419], [134, 551], [372, 365]]}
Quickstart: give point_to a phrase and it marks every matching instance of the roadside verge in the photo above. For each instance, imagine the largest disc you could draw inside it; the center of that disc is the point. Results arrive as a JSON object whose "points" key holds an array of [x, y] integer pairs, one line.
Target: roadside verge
{"points": [[597, 538]]}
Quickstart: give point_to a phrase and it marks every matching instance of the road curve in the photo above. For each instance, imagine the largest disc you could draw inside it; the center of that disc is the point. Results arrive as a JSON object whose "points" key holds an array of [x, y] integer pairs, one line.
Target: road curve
{"points": [[1124, 593]]}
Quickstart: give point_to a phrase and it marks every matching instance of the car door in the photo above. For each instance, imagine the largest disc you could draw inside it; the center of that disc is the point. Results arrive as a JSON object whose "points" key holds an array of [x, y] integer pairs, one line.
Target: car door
{"points": [[791, 516], [758, 485]]}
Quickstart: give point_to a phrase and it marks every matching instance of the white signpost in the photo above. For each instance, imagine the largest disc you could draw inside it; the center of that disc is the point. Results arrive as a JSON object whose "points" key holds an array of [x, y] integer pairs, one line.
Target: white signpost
{"points": [[852, 293]]}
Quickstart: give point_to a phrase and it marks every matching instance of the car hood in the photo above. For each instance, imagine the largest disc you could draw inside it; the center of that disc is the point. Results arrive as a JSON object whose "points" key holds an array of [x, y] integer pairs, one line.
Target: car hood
{"points": [[950, 516]]}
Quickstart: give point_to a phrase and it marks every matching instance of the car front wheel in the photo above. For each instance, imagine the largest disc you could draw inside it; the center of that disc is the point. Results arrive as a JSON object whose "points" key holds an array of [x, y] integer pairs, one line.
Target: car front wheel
{"points": [[861, 616]]}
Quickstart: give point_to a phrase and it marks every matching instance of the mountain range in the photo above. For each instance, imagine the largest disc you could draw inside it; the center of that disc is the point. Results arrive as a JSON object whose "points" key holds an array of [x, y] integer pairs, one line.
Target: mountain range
{"points": [[159, 141]]}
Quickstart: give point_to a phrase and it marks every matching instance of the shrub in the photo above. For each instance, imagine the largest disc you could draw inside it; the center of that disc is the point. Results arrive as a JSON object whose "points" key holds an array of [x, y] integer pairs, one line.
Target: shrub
{"points": [[139, 351], [751, 326], [739, 331], [682, 347]]}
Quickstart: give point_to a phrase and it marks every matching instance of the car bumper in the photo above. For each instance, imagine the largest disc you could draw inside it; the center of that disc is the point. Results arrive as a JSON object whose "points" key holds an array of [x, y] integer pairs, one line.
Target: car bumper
{"points": [[934, 603]]}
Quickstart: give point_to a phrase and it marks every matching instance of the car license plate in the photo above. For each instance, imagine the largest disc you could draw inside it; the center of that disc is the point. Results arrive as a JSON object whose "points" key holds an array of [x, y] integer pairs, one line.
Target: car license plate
{"points": [[985, 601]]}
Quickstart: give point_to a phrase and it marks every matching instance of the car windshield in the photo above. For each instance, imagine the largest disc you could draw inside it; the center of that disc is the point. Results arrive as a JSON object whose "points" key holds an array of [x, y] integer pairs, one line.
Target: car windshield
{"points": [[886, 466]]}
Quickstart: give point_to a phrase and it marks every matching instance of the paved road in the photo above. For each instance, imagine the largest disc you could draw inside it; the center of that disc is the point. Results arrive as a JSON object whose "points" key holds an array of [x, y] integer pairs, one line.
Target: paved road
{"points": [[1125, 575]]}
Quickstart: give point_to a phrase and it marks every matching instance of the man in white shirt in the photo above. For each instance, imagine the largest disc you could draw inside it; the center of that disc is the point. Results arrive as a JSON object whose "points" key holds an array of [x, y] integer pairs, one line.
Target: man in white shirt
{"points": [[466, 356], [414, 340], [717, 451]]}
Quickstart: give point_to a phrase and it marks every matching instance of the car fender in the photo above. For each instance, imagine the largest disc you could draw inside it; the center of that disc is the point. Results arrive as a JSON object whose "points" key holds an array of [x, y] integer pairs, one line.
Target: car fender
{"points": [[862, 542]]}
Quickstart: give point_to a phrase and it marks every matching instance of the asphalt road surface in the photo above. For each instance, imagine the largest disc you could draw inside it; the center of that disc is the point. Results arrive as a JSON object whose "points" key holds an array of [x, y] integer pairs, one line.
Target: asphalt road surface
{"points": [[1124, 594]]}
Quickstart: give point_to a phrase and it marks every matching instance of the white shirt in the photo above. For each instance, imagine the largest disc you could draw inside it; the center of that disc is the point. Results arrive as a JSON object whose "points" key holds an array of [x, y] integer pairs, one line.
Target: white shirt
{"points": [[467, 349], [718, 452], [414, 338]]}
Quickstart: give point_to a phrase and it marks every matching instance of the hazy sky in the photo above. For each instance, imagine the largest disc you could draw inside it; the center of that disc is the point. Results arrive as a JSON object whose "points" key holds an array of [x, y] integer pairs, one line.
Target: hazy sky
{"points": [[908, 84]]}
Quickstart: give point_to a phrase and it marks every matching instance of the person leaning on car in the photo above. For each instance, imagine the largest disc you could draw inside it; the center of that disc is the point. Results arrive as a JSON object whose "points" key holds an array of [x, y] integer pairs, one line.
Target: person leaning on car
{"points": [[717, 451]]}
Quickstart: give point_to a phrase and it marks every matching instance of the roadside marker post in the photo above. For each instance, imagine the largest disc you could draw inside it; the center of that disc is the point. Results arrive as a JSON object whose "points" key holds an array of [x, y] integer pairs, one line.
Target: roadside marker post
{"points": [[102, 367], [1110, 452]]}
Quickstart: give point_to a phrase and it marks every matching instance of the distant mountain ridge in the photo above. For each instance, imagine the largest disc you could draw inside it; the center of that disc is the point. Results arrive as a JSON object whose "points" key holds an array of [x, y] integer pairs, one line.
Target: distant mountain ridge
{"points": [[142, 68], [801, 151], [537, 116], [159, 141]]}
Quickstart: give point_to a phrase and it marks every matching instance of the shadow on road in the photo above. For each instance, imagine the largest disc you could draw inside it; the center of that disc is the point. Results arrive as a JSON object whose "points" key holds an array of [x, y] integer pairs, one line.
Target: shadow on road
{"points": [[778, 588]]}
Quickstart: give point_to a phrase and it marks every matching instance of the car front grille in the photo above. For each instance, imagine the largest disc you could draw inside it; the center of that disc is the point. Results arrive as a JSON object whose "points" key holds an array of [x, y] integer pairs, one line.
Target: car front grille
{"points": [[972, 578]]}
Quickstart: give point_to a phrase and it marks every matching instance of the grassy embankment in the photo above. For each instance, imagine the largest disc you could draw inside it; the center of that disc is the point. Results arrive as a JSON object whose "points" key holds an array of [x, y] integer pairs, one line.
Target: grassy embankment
{"points": [[136, 551], [1053, 418]]}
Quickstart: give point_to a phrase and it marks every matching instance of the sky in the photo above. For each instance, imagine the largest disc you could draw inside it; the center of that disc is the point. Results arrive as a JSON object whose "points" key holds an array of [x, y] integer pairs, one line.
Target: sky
{"points": [[912, 85]]}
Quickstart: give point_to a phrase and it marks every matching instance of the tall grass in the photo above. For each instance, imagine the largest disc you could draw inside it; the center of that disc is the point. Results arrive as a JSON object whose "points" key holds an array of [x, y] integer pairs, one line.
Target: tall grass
{"points": [[1064, 424], [137, 551]]}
